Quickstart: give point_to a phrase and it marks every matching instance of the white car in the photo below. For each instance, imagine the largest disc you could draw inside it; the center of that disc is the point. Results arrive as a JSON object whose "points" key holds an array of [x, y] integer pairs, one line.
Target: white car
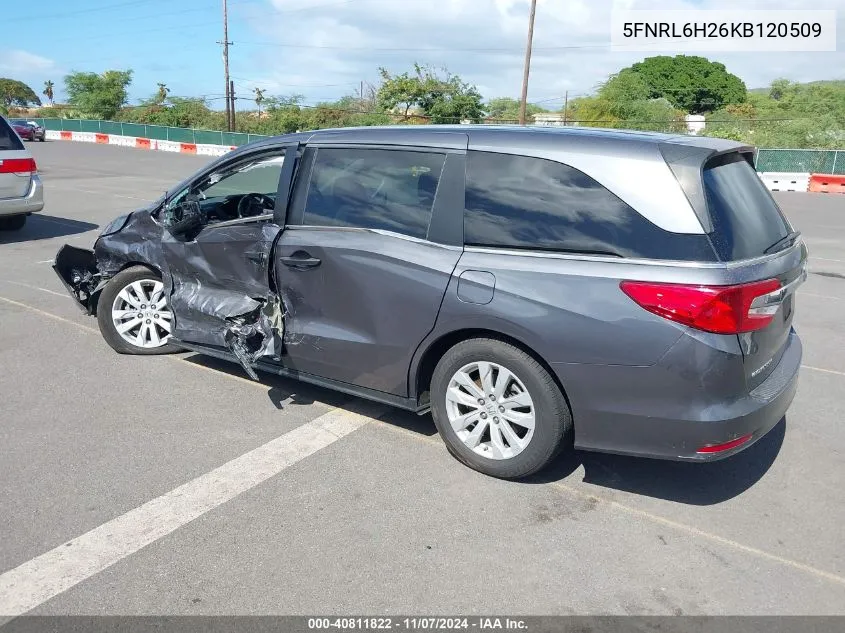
{"points": [[21, 191]]}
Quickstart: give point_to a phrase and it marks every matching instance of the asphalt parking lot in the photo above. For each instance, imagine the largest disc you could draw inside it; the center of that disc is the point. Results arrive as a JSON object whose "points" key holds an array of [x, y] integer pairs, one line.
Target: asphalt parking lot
{"points": [[120, 494]]}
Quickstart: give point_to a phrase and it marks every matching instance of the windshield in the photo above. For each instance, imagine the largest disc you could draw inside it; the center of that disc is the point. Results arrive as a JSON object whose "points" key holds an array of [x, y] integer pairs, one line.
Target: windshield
{"points": [[746, 219]]}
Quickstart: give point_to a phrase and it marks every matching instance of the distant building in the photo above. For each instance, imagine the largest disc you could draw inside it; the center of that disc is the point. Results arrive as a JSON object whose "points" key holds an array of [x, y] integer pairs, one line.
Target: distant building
{"points": [[549, 119], [695, 123]]}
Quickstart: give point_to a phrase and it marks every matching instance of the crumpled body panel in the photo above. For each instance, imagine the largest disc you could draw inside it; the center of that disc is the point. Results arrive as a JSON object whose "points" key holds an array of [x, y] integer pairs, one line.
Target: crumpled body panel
{"points": [[138, 242]]}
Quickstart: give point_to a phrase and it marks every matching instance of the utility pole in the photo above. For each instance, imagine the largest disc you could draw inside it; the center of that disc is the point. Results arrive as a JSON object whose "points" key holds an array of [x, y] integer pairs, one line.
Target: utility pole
{"points": [[232, 106], [523, 101], [565, 106], [230, 115]]}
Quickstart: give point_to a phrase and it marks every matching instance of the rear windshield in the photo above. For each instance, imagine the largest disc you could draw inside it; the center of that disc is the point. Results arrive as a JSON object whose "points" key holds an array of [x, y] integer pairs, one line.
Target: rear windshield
{"points": [[8, 138], [746, 219]]}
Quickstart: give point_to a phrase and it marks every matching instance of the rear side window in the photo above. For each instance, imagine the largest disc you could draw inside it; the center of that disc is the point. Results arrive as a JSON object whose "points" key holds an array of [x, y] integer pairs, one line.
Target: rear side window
{"points": [[532, 203], [746, 219], [392, 190], [8, 138]]}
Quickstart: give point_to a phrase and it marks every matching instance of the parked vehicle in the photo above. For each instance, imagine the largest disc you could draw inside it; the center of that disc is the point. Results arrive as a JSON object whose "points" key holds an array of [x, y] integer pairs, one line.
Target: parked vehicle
{"points": [[29, 130], [534, 288], [21, 192]]}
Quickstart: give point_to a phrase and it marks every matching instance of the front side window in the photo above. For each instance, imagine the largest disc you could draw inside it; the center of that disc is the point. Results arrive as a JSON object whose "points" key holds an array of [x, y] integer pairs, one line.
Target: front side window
{"points": [[392, 190], [523, 202], [239, 190]]}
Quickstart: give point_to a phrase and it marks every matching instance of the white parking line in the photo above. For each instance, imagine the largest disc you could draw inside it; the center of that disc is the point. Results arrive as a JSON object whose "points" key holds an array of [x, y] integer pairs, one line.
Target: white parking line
{"points": [[40, 579], [63, 295]]}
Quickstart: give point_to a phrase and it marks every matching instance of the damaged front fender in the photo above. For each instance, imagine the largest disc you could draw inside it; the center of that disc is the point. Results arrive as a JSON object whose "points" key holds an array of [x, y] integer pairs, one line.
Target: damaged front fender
{"points": [[77, 268]]}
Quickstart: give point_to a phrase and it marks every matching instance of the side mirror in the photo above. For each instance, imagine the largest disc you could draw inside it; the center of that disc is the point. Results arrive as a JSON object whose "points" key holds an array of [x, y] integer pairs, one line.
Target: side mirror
{"points": [[184, 218]]}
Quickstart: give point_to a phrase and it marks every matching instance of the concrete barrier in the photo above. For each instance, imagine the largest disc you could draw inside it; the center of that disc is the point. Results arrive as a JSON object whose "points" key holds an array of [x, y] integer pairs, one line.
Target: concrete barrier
{"points": [[785, 181], [827, 183], [202, 149]]}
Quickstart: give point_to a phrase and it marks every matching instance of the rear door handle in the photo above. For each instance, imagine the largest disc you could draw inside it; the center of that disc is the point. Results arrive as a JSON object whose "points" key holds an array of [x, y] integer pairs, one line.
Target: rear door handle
{"points": [[300, 261]]}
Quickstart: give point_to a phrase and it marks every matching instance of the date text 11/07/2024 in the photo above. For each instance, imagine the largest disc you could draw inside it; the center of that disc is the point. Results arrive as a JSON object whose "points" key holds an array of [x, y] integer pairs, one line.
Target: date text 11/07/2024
{"points": [[416, 623]]}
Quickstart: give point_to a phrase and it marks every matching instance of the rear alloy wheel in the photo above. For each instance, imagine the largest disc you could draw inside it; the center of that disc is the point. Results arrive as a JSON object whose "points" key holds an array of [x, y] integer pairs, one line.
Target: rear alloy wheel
{"points": [[490, 410], [12, 223], [133, 314], [497, 409]]}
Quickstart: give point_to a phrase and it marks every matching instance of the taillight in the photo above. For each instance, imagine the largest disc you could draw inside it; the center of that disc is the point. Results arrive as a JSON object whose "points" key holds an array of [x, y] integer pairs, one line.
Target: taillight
{"points": [[720, 448], [719, 309], [19, 166]]}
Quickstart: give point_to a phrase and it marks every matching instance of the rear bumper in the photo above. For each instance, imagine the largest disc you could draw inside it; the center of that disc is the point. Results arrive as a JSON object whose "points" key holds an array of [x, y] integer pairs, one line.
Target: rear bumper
{"points": [[650, 433], [32, 202]]}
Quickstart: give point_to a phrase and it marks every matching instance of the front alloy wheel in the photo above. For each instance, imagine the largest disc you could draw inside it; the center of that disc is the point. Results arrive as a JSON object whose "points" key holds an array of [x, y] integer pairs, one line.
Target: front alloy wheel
{"points": [[133, 313], [140, 314]]}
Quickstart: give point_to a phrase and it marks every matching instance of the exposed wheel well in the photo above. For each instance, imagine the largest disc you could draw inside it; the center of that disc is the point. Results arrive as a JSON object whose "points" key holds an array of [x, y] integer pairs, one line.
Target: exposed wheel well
{"points": [[96, 297], [425, 369]]}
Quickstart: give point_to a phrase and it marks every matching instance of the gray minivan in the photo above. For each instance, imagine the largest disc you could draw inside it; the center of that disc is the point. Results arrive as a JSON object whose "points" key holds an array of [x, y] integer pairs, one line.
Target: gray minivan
{"points": [[21, 192], [534, 288]]}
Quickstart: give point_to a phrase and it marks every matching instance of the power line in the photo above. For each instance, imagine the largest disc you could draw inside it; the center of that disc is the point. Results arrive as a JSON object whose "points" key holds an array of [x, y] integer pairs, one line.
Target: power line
{"points": [[49, 16]]}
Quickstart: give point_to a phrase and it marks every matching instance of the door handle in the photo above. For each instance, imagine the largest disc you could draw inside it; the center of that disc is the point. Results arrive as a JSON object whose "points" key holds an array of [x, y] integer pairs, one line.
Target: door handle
{"points": [[257, 257], [300, 261]]}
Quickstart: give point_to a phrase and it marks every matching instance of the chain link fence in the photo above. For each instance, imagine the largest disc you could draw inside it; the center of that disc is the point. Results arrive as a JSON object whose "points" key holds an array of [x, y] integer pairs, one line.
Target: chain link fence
{"points": [[157, 132], [814, 161]]}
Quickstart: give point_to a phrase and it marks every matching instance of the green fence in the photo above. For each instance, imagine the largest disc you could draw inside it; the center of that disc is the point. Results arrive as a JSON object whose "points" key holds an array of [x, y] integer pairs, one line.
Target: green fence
{"points": [[158, 132], [816, 161], [813, 161]]}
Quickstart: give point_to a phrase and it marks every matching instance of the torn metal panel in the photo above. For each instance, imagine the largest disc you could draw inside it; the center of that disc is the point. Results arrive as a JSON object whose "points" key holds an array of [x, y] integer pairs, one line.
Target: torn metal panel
{"points": [[77, 268], [220, 275], [257, 334]]}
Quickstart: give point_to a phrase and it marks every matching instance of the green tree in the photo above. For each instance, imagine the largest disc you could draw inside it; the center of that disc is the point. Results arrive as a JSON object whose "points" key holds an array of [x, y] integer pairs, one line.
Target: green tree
{"points": [[163, 91], [48, 91], [98, 96], [690, 83], [442, 96], [507, 108], [14, 92], [623, 102], [259, 99]]}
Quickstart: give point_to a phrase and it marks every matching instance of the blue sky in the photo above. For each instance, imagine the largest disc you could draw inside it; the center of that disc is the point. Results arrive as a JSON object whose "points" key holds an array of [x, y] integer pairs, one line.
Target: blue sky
{"points": [[323, 49]]}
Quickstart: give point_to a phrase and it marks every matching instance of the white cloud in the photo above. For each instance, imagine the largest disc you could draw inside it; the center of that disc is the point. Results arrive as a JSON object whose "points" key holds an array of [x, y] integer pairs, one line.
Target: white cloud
{"points": [[333, 45], [20, 63]]}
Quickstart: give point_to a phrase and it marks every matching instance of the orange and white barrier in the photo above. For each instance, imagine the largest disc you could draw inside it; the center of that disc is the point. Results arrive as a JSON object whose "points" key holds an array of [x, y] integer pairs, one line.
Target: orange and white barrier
{"points": [[827, 183], [201, 149]]}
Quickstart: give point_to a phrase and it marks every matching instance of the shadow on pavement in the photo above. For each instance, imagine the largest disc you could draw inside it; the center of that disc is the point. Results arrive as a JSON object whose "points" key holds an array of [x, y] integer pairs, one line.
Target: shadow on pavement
{"points": [[42, 227], [682, 482], [284, 392]]}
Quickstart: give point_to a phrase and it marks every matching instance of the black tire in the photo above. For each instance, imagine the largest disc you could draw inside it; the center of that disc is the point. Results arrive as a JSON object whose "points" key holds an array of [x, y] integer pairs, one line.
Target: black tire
{"points": [[553, 419], [104, 311], [12, 223]]}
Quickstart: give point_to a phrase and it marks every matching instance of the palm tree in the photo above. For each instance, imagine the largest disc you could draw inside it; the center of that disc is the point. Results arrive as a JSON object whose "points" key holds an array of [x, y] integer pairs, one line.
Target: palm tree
{"points": [[259, 98], [48, 91], [163, 90]]}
